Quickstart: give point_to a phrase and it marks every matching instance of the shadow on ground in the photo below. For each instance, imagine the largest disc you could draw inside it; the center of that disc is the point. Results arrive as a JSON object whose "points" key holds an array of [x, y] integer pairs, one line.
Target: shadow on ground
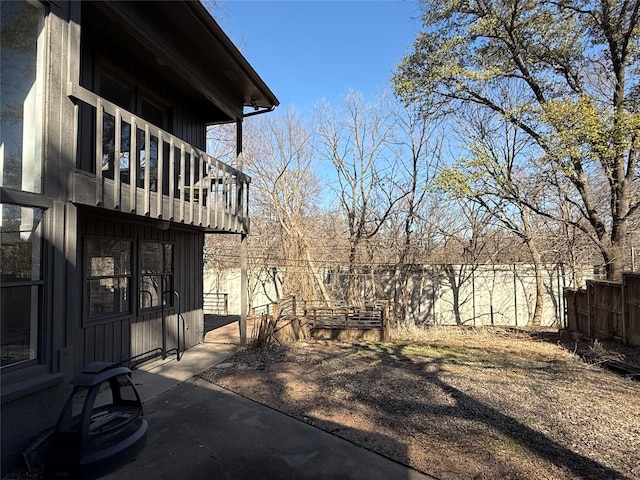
{"points": [[211, 322], [200, 431], [448, 419]]}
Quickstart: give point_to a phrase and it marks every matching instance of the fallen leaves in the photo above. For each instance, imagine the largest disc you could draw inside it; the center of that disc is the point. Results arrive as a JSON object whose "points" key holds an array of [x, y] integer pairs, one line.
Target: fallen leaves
{"points": [[457, 405]]}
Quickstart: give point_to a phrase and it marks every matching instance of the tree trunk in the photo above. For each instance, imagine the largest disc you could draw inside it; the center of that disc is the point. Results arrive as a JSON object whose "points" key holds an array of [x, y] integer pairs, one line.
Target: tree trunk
{"points": [[396, 296], [536, 319], [351, 283], [455, 292], [614, 255]]}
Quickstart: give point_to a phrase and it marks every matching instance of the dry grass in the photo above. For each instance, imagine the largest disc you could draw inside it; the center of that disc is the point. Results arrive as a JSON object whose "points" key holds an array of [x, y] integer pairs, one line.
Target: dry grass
{"points": [[456, 403]]}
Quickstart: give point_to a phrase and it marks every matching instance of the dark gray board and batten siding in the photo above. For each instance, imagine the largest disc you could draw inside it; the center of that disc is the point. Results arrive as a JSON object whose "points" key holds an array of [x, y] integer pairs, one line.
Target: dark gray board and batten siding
{"points": [[122, 337]]}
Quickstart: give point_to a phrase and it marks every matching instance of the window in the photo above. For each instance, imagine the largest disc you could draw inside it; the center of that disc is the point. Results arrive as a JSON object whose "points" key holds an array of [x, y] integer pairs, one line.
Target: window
{"points": [[156, 274], [107, 276], [20, 282], [21, 95], [127, 95], [116, 91]]}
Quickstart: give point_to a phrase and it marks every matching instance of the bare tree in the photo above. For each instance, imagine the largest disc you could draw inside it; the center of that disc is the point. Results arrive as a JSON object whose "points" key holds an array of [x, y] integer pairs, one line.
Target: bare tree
{"points": [[358, 140], [221, 142], [418, 150], [465, 243], [279, 156]]}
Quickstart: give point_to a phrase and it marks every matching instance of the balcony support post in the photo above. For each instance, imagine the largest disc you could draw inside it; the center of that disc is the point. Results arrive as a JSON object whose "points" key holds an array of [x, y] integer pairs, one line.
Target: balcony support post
{"points": [[244, 251]]}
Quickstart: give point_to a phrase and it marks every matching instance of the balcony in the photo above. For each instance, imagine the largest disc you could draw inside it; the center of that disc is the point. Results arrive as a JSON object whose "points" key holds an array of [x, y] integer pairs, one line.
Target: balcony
{"points": [[179, 183]]}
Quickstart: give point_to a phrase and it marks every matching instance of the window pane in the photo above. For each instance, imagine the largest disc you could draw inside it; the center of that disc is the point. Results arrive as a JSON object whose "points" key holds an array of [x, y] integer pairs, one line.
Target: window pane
{"points": [[108, 295], [150, 291], [152, 113], [151, 257], [20, 243], [115, 91], [108, 144], [19, 311], [20, 261], [156, 266], [21, 57], [125, 141], [167, 286], [105, 257], [108, 270], [109, 147], [152, 156], [102, 267], [168, 258]]}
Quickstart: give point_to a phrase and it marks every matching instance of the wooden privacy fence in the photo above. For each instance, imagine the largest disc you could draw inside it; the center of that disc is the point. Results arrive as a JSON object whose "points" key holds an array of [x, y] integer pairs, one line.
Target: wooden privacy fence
{"points": [[606, 309]]}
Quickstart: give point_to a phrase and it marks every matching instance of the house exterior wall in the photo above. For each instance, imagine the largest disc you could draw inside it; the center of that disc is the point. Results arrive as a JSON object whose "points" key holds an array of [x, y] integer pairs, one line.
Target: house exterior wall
{"points": [[18, 428], [50, 232], [137, 334], [103, 57], [33, 391]]}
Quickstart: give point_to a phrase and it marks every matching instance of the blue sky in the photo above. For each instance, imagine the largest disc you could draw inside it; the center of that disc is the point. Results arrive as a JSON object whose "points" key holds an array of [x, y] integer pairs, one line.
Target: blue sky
{"points": [[307, 50]]}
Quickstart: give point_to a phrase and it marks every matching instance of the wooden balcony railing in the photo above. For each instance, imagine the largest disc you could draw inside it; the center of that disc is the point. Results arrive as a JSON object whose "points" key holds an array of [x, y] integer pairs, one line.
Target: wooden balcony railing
{"points": [[144, 170]]}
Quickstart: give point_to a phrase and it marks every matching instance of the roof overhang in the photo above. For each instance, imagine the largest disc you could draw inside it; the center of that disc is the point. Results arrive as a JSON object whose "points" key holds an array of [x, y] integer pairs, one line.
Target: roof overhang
{"points": [[183, 37]]}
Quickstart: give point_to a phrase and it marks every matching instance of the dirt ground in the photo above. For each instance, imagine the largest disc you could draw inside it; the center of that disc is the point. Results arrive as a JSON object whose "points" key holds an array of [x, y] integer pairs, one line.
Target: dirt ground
{"points": [[459, 404]]}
